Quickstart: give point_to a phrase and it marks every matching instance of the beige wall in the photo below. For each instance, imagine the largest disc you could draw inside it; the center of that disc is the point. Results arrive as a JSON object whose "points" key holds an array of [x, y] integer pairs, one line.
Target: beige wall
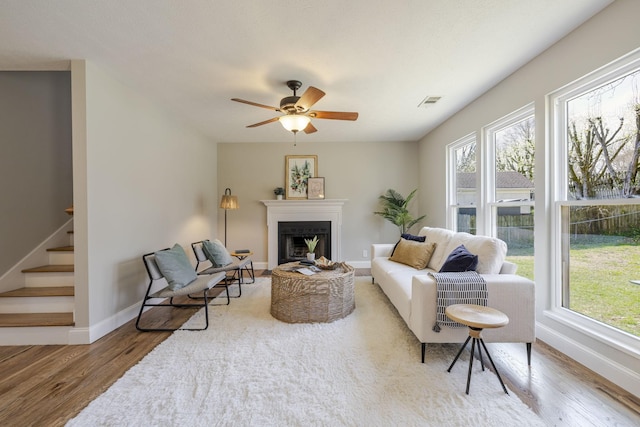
{"points": [[142, 182], [359, 172], [607, 36]]}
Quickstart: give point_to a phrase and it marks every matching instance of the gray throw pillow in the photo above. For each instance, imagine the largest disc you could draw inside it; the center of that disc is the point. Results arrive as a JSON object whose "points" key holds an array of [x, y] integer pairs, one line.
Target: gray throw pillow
{"points": [[175, 267], [216, 253]]}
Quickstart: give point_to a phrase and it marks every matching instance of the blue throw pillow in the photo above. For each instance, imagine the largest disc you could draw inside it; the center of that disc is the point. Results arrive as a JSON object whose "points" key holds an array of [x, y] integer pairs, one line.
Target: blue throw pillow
{"points": [[459, 260], [175, 267], [216, 253], [408, 236]]}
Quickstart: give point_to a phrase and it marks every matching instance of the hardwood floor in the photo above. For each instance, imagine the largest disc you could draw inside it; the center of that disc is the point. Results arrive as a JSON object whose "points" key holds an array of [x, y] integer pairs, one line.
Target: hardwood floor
{"points": [[561, 391], [48, 385]]}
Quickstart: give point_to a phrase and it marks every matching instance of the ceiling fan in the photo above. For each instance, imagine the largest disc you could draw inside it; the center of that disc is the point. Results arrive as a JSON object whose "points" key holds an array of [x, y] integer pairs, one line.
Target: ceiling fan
{"points": [[297, 110]]}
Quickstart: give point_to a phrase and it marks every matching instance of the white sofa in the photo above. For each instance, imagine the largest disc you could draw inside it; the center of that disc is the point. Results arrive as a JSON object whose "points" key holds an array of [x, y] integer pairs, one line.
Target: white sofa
{"points": [[413, 292]]}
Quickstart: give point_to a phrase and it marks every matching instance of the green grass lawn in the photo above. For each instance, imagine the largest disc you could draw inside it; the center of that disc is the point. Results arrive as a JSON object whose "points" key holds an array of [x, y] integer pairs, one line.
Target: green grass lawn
{"points": [[599, 279]]}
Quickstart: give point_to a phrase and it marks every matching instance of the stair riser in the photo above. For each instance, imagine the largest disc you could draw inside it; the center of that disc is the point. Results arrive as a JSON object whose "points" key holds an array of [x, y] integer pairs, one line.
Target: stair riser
{"points": [[38, 335], [36, 305], [57, 258], [48, 279]]}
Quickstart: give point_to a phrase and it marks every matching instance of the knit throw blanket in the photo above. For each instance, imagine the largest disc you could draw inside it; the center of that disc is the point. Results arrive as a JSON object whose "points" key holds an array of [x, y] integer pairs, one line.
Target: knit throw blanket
{"points": [[457, 288]]}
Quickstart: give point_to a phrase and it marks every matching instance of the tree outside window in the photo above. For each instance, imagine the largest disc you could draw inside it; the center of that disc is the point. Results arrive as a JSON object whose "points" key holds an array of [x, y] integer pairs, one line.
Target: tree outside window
{"points": [[600, 219]]}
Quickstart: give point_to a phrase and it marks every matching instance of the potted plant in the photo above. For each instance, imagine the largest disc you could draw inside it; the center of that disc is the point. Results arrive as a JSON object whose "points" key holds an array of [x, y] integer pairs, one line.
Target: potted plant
{"points": [[311, 247], [279, 192], [395, 209]]}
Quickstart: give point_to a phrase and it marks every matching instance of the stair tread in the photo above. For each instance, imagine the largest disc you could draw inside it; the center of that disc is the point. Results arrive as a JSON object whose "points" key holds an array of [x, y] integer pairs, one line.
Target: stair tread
{"points": [[55, 268], [45, 291], [36, 319], [61, 249]]}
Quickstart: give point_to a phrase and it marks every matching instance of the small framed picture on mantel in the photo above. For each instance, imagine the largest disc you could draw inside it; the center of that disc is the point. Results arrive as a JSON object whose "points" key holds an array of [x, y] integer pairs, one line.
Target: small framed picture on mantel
{"points": [[315, 188]]}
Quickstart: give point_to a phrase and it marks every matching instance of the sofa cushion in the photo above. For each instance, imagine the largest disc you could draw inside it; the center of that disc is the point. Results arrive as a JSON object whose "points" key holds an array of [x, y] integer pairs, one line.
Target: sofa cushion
{"points": [[491, 251], [459, 260], [398, 290], [441, 238], [412, 253]]}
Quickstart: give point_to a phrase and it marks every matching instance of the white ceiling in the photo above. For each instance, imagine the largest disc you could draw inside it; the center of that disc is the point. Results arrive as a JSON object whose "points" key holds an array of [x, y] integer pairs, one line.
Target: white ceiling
{"points": [[380, 58]]}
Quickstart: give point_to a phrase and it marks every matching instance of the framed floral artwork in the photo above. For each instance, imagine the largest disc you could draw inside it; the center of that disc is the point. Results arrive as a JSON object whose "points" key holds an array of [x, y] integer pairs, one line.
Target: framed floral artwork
{"points": [[298, 170]]}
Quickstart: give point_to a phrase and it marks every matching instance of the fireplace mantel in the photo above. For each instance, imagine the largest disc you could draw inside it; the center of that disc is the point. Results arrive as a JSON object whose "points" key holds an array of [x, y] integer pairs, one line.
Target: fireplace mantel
{"points": [[303, 210]]}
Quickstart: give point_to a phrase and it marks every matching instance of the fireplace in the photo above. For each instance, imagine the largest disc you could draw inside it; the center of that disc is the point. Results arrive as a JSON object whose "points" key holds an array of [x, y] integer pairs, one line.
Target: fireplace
{"points": [[291, 236], [283, 211]]}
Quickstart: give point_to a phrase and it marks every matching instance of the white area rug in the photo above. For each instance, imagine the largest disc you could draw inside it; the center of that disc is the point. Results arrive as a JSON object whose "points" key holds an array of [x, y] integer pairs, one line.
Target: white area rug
{"points": [[249, 369]]}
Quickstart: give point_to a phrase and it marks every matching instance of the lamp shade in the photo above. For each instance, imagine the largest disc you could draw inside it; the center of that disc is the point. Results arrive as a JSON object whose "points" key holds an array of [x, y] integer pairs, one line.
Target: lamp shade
{"points": [[294, 122], [228, 201]]}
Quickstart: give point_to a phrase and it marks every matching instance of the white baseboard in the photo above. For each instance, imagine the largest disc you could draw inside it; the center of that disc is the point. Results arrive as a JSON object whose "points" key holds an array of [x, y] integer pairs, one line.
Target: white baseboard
{"points": [[360, 264], [597, 362], [112, 323], [261, 265], [79, 336]]}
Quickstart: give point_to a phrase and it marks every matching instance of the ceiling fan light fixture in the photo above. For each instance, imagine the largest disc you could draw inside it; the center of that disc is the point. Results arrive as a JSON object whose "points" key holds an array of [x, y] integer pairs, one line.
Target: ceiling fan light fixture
{"points": [[294, 122]]}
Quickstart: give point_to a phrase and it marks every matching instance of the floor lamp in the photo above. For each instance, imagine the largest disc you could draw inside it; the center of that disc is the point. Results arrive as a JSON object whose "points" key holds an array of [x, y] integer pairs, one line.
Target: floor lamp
{"points": [[228, 202]]}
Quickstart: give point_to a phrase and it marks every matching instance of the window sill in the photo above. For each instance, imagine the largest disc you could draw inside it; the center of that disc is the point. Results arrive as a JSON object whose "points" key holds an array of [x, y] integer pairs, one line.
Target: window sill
{"points": [[613, 337]]}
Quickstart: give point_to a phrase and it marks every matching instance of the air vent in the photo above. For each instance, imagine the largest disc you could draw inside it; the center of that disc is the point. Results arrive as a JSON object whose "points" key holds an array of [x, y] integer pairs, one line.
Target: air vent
{"points": [[429, 101]]}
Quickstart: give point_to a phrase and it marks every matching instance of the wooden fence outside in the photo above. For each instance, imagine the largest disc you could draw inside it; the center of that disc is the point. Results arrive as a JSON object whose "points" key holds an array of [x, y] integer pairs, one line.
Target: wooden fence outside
{"points": [[588, 220]]}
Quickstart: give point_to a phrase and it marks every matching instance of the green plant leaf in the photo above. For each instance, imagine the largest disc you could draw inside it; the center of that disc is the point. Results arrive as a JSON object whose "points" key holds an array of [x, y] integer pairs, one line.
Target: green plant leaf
{"points": [[395, 209]]}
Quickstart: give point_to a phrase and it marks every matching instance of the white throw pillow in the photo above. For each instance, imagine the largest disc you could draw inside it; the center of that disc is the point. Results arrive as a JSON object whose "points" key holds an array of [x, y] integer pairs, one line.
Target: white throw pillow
{"points": [[441, 237]]}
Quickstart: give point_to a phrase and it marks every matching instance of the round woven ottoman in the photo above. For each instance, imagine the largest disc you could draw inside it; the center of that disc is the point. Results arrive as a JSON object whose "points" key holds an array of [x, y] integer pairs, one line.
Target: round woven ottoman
{"points": [[322, 297]]}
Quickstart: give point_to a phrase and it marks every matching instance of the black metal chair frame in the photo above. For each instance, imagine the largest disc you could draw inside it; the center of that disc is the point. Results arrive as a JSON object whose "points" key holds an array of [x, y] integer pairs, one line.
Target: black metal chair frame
{"points": [[192, 289], [234, 269]]}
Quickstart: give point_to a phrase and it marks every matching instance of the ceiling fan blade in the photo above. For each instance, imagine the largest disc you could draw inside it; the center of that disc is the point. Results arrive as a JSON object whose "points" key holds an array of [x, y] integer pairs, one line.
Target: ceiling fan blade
{"points": [[255, 104], [310, 128], [275, 119], [308, 98], [333, 115]]}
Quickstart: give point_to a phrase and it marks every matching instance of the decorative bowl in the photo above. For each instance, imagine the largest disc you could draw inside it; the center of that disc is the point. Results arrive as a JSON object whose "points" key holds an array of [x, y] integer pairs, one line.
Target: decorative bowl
{"points": [[326, 264]]}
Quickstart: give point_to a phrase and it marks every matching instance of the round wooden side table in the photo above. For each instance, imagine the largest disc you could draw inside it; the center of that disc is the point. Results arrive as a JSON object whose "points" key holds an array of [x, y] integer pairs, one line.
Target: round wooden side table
{"points": [[476, 317]]}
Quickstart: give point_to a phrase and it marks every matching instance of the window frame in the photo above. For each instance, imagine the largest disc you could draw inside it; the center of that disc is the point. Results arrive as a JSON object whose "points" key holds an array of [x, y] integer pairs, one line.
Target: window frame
{"points": [[489, 223], [558, 175], [451, 186]]}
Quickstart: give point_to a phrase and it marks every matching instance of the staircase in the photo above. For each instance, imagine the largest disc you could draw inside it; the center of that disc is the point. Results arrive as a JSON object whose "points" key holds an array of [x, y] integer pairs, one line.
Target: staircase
{"points": [[42, 310]]}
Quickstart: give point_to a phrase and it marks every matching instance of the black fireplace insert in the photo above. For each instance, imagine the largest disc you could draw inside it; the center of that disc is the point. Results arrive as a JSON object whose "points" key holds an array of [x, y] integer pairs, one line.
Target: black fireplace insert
{"points": [[291, 236]]}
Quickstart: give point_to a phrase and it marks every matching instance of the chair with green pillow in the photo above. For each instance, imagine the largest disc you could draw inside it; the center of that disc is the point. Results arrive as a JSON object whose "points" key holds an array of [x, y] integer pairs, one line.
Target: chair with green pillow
{"points": [[220, 260], [172, 275]]}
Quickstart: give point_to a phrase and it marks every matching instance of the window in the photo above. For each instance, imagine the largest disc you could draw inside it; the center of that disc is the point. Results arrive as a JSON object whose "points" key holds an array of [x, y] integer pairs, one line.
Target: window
{"points": [[462, 190], [596, 186], [510, 148]]}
